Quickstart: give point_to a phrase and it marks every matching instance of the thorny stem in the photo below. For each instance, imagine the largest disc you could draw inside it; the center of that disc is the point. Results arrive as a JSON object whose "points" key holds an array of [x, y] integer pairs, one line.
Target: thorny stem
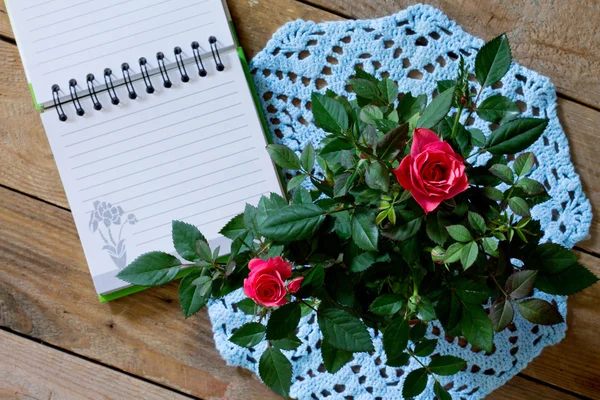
{"points": [[456, 121], [422, 365], [309, 306]]}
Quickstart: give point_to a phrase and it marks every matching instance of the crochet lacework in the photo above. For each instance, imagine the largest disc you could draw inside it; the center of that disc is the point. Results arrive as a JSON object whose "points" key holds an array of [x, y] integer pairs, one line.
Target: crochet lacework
{"points": [[416, 48]]}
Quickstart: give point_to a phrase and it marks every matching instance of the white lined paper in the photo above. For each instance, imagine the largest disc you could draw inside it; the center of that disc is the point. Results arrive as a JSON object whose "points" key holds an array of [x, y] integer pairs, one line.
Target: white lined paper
{"points": [[64, 39], [195, 152]]}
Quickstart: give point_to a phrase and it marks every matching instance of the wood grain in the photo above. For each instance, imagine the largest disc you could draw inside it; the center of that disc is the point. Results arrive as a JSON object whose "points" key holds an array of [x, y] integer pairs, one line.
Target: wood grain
{"points": [[27, 164], [30, 370], [560, 39], [46, 293]]}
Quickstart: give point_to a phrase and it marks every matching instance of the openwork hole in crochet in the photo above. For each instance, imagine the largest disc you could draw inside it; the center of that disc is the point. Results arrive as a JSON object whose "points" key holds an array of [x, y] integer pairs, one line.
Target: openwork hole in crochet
{"points": [[416, 48]]}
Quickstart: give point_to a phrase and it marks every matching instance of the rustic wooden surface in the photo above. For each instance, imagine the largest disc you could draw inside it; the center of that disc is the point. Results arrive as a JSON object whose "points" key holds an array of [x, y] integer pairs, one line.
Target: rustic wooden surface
{"points": [[46, 293]]}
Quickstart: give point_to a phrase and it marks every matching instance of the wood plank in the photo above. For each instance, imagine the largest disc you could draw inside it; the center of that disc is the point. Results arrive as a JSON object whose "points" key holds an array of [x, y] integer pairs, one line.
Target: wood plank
{"points": [[520, 388], [46, 293], [34, 371], [26, 162], [558, 39]]}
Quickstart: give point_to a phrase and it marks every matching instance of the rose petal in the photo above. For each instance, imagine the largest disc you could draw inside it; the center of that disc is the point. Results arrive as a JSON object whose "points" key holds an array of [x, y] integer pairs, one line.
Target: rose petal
{"points": [[403, 172], [422, 137]]}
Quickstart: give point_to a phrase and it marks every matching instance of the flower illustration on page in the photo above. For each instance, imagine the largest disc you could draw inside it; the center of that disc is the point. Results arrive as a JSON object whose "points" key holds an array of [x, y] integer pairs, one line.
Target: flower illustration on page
{"points": [[108, 221]]}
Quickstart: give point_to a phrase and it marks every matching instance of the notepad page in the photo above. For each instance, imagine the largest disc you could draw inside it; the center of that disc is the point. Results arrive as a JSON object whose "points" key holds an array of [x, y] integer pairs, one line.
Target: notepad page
{"points": [[194, 152], [64, 39]]}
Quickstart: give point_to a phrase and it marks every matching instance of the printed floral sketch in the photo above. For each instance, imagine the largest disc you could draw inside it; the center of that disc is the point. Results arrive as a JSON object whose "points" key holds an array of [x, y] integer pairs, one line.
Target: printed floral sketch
{"points": [[109, 221]]}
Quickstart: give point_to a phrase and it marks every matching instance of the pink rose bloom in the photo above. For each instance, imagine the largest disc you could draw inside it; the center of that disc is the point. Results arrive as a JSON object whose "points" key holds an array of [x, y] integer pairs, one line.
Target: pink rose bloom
{"points": [[433, 171], [294, 285], [265, 283]]}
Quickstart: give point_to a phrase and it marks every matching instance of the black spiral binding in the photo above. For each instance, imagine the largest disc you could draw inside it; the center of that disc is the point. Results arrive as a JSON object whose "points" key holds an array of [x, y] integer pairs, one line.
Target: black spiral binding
{"points": [[215, 53], [146, 75], [160, 57], [128, 82], [57, 104], [180, 65], [90, 84], [195, 49], [75, 99], [110, 87]]}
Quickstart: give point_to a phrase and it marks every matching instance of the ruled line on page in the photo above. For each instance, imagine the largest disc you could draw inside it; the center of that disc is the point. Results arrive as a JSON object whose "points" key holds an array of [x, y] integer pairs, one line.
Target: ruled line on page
{"points": [[152, 131], [39, 4], [121, 38], [127, 25], [202, 212], [99, 21], [195, 27], [149, 144], [152, 107], [159, 153], [169, 174], [198, 189], [69, 7], [165, 187], [74, 17], [201, 200]]}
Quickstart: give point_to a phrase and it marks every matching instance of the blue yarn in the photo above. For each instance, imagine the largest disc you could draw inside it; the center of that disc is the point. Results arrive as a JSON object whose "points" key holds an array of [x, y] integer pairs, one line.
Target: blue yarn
{"points": [[420, 40]]}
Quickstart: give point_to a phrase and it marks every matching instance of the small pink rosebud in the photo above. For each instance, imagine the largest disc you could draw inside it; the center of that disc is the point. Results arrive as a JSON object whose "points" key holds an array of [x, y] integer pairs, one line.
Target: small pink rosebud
{"points": [[463, 101], [294, 285]]}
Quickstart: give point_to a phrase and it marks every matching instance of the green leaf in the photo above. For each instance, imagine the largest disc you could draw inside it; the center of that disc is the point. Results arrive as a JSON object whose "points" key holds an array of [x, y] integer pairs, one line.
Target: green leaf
{"points": [[447, 365], [344, 331], [204, 284], [330, 115], [410, 106], [313, 281], [283, 156], [234, 227], [184, 239], [377, 176], [493, 193], [302, 196], [493, 61], [364, 231], [370, 114], [275, 370], [283, 321], [477, 328], [523, 164], [151, 269], [520, 284], [436, 228], [388, 89], [307, 158], [440, 392], [516, 135], [363, 261], [296, 181], [425, 348], [203, 250], [364, 88], [437, 109], [407, 227], [398, 362], [415, 383], [531, 186], [343, 183], [501, 314], [342, 225], [503, 173], [417, 332], [189, 297], [449, 312], [334, 359], [247, 306], [392, 143], [387, 304], [469, 254], [497, 109], [477, 222], [453, 253], [570, 281], [292, 223], [248, 335], [395, 337], [519, 206], [490, 246], [459, 233], [477, 137], [538, 311], [472, 292], [289, 343], [550, 258], [445, 84]]}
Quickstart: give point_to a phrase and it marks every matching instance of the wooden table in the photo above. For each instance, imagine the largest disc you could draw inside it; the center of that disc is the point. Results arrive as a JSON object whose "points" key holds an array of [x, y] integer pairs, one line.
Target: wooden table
{"points": [[58, 342]]}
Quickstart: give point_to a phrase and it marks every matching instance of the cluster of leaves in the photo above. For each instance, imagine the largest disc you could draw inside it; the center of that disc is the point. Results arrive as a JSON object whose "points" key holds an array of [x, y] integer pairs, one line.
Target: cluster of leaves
{"points": [[369, 255]]}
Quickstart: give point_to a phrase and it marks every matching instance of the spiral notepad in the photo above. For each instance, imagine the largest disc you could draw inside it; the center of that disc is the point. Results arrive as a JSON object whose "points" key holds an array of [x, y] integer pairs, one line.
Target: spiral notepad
{"points": [[150, 117]]}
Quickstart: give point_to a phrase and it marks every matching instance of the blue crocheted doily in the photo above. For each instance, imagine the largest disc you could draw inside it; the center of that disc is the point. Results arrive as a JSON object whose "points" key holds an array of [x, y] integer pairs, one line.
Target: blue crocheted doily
{"points": [[416, 48]]}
